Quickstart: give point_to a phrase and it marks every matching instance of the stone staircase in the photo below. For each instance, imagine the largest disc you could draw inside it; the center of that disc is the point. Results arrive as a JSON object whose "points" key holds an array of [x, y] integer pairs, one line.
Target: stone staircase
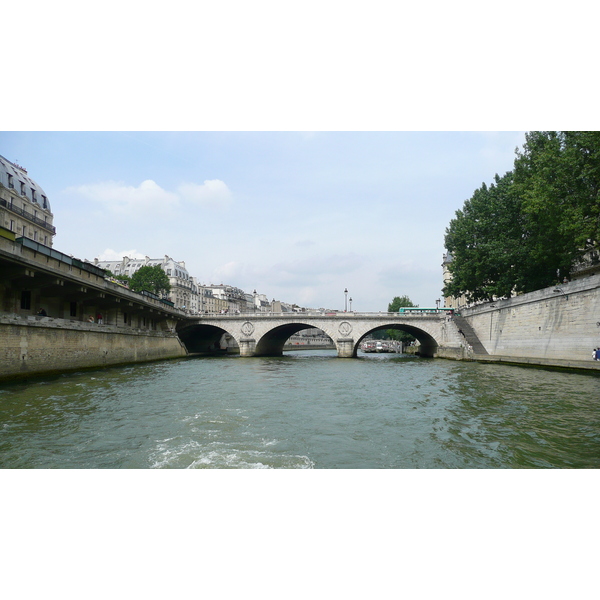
{"points": [[470, 336]]}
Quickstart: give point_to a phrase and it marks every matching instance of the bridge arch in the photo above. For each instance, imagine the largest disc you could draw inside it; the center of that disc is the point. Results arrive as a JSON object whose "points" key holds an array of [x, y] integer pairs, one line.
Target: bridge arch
{"points": [[427, 343], [201, 338], [271, 343]]}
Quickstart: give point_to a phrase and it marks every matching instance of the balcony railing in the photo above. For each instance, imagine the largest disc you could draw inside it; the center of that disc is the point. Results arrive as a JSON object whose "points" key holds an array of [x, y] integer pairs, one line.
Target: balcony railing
{"points": [[19, 211]]}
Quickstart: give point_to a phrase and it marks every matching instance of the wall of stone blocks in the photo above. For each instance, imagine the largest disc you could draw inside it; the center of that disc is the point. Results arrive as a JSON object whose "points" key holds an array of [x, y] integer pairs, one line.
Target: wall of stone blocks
{"points": [[36, 346], [560, 322]]}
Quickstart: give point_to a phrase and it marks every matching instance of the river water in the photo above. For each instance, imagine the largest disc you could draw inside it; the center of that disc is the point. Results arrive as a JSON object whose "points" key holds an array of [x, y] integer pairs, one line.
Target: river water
{"points": [[307, 409]]}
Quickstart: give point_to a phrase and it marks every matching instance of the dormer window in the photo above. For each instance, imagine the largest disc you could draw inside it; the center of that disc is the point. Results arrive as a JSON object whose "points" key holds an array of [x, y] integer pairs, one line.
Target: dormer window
{"points": [[44, 201], [11, 184], [33, 195], [22, 188]]}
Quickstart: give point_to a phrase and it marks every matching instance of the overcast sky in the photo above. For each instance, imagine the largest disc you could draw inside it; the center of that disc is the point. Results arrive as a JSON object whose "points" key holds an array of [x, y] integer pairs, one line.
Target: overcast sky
{"points": [[297, 216]]}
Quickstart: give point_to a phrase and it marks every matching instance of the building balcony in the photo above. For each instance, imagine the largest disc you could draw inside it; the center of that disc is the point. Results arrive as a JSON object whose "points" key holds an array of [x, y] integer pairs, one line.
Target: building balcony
{"points": [[19, 211]]}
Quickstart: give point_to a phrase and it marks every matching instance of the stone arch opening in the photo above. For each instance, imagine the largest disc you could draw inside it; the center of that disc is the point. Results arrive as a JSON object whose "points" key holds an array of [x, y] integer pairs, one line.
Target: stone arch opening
{"points": [[427, 343], [273, 341], [206, 339]]}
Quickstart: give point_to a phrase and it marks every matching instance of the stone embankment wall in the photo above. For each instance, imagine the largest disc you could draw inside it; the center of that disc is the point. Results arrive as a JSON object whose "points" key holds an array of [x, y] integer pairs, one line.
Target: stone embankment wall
{"points": [[553, 326], [43, 345]]}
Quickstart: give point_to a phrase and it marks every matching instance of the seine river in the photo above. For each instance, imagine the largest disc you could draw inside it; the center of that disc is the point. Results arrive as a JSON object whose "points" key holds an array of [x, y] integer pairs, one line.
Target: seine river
{"points": [[305, 410]]}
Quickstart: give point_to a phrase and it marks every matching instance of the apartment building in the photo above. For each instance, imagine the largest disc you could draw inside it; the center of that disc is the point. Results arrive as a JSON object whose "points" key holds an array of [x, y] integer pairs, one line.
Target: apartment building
{"points": [[24, 206]]}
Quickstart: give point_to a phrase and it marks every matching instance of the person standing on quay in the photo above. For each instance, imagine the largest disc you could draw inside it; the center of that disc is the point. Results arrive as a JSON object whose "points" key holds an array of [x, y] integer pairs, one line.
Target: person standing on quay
{"points": [[99, 318]]}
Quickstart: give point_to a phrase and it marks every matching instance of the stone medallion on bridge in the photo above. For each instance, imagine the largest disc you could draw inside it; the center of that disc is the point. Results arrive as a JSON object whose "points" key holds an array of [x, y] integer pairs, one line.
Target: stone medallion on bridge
{"points": [[345, 328], [247, 328]]}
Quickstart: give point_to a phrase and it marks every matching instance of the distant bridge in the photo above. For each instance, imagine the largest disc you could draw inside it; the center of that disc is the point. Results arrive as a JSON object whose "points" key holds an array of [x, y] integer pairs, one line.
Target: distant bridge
{"points": [[265, 334]]}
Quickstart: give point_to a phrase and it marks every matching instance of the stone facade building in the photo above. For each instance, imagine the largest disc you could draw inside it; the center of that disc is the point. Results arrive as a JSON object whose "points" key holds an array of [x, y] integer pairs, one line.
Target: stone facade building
{"points": [[24, 206], [233, 298], [451, 301], [184, 291]]}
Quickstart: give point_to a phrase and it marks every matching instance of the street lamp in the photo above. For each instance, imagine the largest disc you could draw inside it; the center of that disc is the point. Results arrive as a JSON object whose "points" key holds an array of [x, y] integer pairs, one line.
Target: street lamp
{"points": [[346, 300], [437, 302], [350, 304]]}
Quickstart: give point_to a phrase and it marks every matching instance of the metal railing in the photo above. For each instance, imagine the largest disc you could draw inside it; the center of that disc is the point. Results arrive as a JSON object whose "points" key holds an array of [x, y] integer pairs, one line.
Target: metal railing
{"points": [[20, 211]]}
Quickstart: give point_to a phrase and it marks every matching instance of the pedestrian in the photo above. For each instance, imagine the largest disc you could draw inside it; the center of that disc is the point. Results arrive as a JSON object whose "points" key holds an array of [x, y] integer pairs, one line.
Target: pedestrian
{"points": [[595, 354], [99, 318], [91, 319], [42, 313]]}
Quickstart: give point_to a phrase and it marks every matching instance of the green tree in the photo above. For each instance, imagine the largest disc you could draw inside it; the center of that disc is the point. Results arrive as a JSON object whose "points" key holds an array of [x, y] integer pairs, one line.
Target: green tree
{"points": [[400, 302], [528, 228], [557, 174], [120, 277], [397, 303], [150, 279], [486, 242]]}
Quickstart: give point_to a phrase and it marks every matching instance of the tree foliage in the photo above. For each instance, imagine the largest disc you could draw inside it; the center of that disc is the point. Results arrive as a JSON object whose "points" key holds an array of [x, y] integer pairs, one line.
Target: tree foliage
{"points": [[529, 227], [150, 279], [395, 334], [119, 277], [400, 302]]}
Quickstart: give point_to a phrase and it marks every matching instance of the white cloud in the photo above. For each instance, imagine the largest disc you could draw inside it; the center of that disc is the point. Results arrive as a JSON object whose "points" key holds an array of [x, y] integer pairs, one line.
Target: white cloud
{"points": [[230, 271], [145, 200], [213, 193]]}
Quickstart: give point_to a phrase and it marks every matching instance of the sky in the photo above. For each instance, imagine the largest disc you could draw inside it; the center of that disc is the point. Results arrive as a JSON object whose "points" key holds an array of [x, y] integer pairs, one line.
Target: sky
{"points": [[297, 216]]}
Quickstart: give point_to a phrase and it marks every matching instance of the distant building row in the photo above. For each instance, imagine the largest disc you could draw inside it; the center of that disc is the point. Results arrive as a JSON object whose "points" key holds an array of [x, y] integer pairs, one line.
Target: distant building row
{"points": [[195, 298]]}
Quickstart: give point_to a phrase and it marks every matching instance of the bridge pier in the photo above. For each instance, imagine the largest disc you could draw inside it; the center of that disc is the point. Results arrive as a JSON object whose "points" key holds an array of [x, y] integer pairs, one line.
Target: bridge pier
{"points": [[345, 347], [247, 347]]}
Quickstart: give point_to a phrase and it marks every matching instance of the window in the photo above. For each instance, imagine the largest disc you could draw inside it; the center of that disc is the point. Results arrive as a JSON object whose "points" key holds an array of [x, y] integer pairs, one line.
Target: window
{"points": [[35, 236], [11, 185], [44, 201], [33, 195], [12, 225], [22, 188], [26, 300]]}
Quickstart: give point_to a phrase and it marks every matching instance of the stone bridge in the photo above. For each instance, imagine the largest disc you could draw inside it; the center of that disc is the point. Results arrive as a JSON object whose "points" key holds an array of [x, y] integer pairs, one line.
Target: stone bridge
{"points": [[264, 334]]}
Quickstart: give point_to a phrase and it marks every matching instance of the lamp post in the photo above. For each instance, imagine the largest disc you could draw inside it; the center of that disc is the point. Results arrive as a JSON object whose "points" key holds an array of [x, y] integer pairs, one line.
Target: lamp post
{"points": [[437, 302], [350, 304], [346, 300]]}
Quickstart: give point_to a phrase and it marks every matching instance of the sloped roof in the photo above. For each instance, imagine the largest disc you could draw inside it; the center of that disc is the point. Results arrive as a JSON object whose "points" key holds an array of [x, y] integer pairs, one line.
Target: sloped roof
{"points": [[19, 174]]}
